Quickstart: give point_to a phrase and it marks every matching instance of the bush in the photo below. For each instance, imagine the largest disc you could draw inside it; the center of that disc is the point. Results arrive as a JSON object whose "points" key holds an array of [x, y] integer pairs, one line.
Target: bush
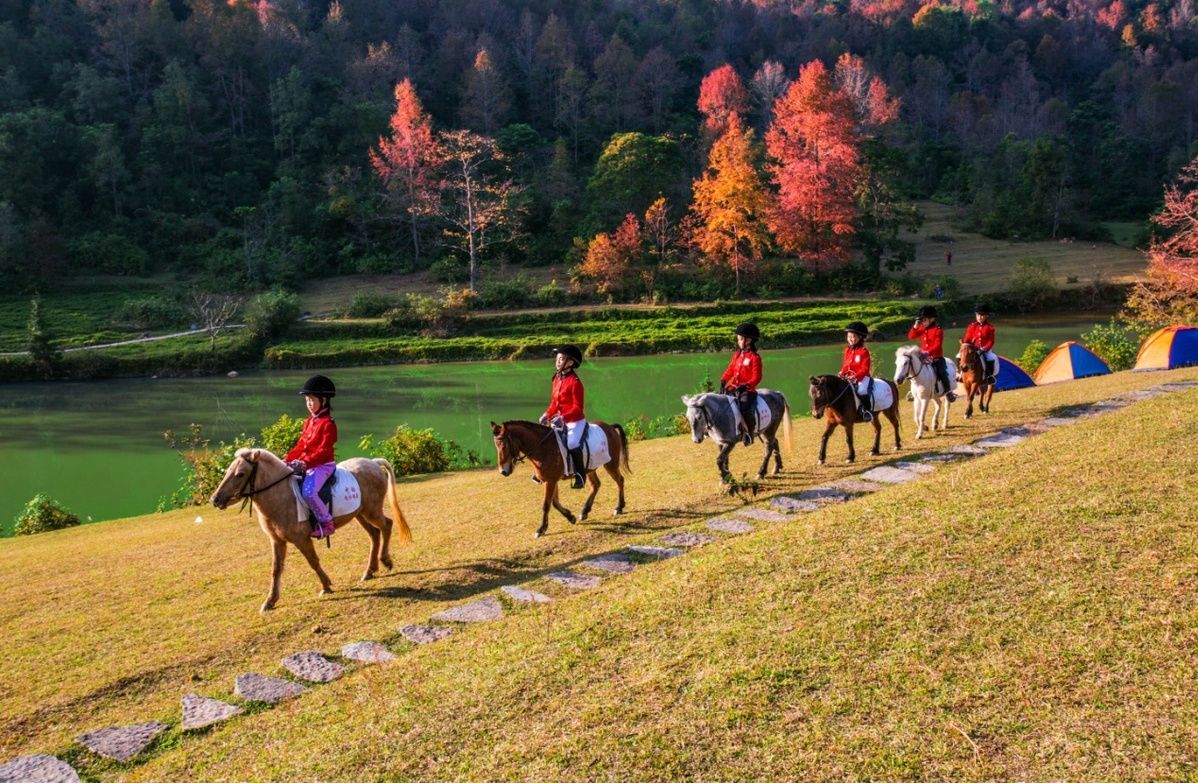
{"points": [[1030, 283], [204, 466], [40, 515], [551, 294], [949, 287], [371, 304], [1033, 355], [1115, 343], [645, 428], [150, 312], [505, 294], [450, 269], [413, 451], [278, 438], [271, 314], [112, 253]]}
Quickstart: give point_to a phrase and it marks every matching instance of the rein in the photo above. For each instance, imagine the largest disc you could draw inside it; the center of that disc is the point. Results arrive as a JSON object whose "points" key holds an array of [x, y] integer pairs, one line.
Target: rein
{"points": [[833, 401], [247, 497], [911, 357]]}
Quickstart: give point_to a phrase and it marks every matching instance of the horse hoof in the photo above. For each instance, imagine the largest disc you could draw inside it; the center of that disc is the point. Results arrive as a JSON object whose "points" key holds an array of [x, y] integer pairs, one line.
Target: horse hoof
{"points": [[819, 462], [388, 564], [366, 577], [538, 534], [617, 512], [326, 591], [761, 475], [266, 607], [850, 460], [874, 452]]}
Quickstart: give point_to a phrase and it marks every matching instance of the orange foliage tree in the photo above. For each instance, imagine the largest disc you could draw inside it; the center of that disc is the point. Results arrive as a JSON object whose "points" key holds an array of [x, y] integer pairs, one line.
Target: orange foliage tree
{"points": [[730, 203], [722, 95], [407, 160], [1169, 295], [612, 258]]}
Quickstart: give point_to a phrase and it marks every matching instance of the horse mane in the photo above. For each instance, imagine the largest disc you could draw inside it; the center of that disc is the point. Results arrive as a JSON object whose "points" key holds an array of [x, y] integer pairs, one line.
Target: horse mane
{"points": [[525, 423], [254, 455], [907, 350]]}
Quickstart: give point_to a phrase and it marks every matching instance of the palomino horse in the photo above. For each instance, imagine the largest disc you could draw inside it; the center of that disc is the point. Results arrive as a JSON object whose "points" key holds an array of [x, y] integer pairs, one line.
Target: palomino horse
{"points": [[711, 414], [517, 440], [973, 375], [836, 397], [909, 362], [264, 480]]}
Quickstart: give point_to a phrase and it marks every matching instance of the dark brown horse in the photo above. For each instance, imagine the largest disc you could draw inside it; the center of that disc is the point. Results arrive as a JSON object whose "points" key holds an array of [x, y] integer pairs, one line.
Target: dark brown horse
{"points": [[836, 397], [517, 440], [972, 368]]}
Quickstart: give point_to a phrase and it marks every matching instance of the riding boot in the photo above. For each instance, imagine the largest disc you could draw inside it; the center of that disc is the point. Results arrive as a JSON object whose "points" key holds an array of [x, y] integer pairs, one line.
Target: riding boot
{"points": [[323, 529], [942, 377], [580, 469], [863, 406]]}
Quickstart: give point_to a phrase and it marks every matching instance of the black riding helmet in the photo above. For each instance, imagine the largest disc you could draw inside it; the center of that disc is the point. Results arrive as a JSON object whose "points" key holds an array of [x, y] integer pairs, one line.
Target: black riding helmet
{"points": [[981, 309], [319, 386], [750, 330], [570, 352], [858, 328], [927, 311]]}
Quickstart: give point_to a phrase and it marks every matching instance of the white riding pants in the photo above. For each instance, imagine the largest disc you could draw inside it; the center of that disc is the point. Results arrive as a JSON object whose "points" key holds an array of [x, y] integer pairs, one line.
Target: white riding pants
{"points": [[863, 387], [574, 433]]}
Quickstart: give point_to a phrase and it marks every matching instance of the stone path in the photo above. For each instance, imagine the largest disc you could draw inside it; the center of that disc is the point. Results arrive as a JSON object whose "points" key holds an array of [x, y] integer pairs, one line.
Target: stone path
{"points": [[123, 743]]}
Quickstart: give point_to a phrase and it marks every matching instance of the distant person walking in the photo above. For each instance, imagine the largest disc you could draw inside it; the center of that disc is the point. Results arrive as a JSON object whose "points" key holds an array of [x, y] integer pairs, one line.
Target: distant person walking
{"points": [[948, 257]]}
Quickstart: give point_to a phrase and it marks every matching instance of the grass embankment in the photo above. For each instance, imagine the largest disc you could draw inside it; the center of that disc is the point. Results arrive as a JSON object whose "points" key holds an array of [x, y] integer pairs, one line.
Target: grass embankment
{"points": [[1036, 601], [606, 332]]}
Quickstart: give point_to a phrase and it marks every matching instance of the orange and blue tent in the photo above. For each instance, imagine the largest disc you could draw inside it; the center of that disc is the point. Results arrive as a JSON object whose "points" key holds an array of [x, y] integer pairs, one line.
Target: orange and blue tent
{"points": [[1067, 361], [1173, 346]]}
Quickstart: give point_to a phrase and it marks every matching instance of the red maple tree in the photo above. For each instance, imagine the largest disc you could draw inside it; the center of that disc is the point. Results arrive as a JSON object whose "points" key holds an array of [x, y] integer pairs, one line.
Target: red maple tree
{"points": [[1169, 294], [722, 94]]}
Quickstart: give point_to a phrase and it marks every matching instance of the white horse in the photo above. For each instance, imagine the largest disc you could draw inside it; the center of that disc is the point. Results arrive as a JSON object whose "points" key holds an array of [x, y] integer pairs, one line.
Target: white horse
{"points": [[910, 363]]}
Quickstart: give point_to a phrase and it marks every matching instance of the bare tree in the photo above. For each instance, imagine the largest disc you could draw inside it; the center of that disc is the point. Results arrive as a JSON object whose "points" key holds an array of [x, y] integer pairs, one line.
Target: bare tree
{"points": [[214, 311]]}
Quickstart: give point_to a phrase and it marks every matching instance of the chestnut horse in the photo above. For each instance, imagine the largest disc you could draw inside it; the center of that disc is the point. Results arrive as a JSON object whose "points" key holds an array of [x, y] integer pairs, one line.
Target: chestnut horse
{"points": [[264, 480], [836, 397], [973, 376], [517, 440]]}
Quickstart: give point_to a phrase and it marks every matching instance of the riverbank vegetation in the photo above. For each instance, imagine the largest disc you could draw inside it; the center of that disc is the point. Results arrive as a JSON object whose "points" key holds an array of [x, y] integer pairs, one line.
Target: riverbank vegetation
{"points": [[1005, 626]]}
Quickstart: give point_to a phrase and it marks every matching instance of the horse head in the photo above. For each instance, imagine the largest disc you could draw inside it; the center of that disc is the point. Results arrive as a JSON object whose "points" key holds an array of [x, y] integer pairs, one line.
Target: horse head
{"points": [[903, 358], [967, 355], [696, 414], [238, 478], [818, 390], [504, 448]]}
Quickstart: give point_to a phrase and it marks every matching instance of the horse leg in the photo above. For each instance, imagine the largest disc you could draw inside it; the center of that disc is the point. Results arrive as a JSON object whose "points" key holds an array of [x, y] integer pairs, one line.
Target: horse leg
{"points": [[777, 454], [921, 411], [721, 462], [613, 470], [877, 449], [385, 549], [550, 492], [848, 437], [944, 416], [823, 442], [309, 550], [565, 512], [593, 478], [278, 555], [770, 444], [892, 414], [970, 390], [375, 547]]}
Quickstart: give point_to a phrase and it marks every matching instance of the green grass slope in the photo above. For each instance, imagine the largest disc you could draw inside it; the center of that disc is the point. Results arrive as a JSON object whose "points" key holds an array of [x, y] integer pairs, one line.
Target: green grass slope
{"points": [[1025, 615]]}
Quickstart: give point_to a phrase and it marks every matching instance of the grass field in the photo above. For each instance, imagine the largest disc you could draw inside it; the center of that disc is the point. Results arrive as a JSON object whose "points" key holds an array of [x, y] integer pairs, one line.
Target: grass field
{"points": [[1028, 618]]}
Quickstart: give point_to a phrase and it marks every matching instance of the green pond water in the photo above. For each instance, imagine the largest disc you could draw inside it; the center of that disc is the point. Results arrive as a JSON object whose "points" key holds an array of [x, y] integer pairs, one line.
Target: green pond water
{"points": [[97, 447]]}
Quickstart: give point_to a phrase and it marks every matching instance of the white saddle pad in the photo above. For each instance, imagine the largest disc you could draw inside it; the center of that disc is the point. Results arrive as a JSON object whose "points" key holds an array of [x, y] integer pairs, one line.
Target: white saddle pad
{"points": [[764, 417], [347, 496], [594, 448], [882, 396]]}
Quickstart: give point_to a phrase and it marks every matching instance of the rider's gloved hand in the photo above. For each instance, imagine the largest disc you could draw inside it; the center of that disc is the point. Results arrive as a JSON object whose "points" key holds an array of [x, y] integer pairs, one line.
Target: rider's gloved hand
{"points": [[297, 466], [543, 420], [723, 388]]}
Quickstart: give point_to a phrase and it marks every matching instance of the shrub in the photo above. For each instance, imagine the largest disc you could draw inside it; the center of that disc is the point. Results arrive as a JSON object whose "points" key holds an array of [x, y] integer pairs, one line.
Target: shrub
{"points": [[645, 428], [450, 269], [371, 304], [41, 350], [271, 314], [278, 438], [1115, 343], [1033, 355], [1030, 283], [203, 465], [949, 287], [112, 253], [505, 294], [550, 294], [40, 515], [150, 312], [412, 451]]}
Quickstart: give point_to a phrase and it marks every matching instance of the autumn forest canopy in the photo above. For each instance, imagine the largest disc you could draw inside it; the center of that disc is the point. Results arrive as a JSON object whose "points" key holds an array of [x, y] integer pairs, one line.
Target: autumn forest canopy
{"points": [[261, 143]]}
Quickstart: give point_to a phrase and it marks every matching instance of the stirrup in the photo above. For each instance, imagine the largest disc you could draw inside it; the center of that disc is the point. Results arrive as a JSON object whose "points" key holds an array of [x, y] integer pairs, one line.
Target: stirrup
{"points": [[866, 415], [580, 481]]}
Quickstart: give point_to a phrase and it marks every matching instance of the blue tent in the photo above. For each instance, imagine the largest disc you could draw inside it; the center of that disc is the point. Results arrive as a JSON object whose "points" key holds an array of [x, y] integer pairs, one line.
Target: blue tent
{"points": [[1011, 376]]}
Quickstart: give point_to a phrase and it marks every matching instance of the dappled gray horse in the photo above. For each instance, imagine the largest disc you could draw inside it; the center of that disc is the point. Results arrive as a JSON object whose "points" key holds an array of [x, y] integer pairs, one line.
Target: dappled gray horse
{"points": [[710, 414]]}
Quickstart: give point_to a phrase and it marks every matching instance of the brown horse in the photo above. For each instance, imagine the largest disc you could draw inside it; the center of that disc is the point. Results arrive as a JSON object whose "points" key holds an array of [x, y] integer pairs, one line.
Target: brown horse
{"points": [[836, 397], [517, 440], [973, 375], [264, 480]]}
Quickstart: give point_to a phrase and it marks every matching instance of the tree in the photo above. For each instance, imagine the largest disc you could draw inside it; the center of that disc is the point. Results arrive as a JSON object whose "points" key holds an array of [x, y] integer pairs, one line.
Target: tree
{"points": [[659, 83], [722, 94], [487, 100], [816, 168], [1169, 295], [407, 159], [476, 204], [613, 95], [633, 170], [611, 258], [661, 234], [768, 85], [213, 312], [731, 203], [37, 340]]}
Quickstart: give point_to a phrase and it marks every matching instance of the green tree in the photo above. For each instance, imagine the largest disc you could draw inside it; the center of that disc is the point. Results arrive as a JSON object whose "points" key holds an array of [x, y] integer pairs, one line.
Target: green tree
{"points": [[41, 515], [633, 171], [37, 339]]}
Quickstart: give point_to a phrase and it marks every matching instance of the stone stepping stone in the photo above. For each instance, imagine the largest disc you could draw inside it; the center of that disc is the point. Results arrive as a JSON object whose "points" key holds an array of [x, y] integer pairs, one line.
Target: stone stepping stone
{"points": [[1037, 427], [313, 667], [121, 743], [824, 495], [199, 712], [38, 769], [367, 652], [968, 449], [889, 475], [483, 610], [574, 581], [762, 515], [857, 485], [1000, 441], [612, 563], [1177, 386], [272, 690], [943, 456], [525, 596], [789, 505], [425, 634], [654, 551], [915, 467], [730, 526], [1058, 421], [684, 539]]}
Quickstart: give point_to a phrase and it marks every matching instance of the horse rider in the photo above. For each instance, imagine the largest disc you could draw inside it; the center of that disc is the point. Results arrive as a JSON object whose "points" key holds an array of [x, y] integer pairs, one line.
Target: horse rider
{"points": [[931, 340], [856, 367], [566, 402], [980, 334], [742, 376], [312, 455]]}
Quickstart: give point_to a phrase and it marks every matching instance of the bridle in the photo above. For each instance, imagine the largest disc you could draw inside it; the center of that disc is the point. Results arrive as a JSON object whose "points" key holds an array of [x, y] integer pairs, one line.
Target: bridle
{"points": [[821, 408], [515, 454], [913, 373], [250, 478]]}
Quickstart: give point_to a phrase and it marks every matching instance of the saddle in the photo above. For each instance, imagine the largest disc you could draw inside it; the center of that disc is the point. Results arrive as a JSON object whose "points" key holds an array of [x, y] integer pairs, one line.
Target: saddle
{"points": [[595, 451], [341, 494]]}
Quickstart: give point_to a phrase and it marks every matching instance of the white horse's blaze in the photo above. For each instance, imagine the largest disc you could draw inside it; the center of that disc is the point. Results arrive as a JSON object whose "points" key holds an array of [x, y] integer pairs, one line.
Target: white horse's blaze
{"points": [[909, 365]]}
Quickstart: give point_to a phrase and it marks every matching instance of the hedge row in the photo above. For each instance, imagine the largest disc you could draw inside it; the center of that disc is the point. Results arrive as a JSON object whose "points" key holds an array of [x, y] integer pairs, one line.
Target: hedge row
{"points": [[167, 358]]}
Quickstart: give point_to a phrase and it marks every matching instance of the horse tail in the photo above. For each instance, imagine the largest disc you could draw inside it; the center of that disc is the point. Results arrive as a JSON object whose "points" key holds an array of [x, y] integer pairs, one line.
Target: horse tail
{"points": [[404, 532], [623, 447], [786, 425]]}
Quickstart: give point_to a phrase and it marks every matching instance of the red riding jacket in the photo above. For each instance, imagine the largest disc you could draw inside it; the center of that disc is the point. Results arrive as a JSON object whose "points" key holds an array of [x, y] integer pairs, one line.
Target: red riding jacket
{"points": [[931, 339], [567, 398], [857, 364], [743, 370], [315, 444], [981, 335]]}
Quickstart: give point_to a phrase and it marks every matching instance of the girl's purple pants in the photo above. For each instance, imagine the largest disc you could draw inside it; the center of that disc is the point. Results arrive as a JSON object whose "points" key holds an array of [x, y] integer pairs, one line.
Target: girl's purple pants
{"points": [[314, 479]]}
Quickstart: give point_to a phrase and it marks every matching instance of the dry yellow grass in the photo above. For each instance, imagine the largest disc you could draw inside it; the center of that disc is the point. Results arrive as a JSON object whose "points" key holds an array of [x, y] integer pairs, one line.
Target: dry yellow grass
{"points": [[113, 623]]}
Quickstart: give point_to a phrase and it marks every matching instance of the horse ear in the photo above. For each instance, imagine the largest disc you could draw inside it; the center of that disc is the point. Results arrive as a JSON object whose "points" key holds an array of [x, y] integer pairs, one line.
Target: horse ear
{"points": [[812, 380], [687, 400], [496, 429]]}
